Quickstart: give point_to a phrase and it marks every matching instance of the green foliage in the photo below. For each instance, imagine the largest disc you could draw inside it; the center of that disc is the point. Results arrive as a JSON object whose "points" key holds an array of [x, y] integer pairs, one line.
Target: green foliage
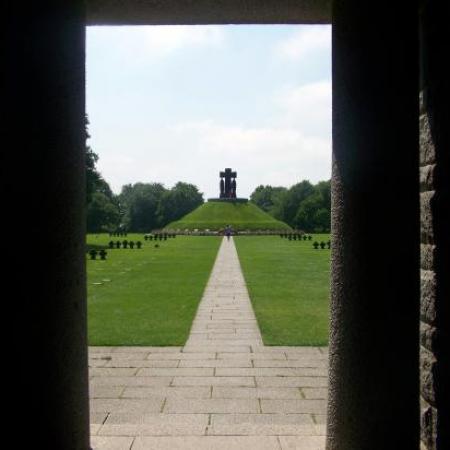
{"points": [[269, 198], [288, 283], [92, 176], [103, 187], [306, 217], [314, 213], [147, 296], [295, 195], [140, 203], [303, 206], [148, 206], [102, 207], [178, 201], [102, 213], [217, 215]]}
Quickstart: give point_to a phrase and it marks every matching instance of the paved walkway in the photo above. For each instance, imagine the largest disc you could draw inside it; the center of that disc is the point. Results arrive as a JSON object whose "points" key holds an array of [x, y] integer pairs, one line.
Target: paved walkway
{"points": [[222, 391]]}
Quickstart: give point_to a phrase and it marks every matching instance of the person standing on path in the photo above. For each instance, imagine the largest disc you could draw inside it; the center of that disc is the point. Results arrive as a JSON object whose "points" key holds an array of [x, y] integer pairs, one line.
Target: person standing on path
{"points": [[228, 232]]}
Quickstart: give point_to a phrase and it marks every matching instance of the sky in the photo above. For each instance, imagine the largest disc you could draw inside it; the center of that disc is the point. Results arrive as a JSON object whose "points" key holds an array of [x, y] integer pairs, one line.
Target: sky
{"points": [[181, 103]]}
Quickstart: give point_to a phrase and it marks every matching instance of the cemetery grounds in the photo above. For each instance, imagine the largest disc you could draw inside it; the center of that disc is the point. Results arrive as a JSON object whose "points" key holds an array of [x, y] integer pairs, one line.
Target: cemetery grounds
{"points": [[149, 296]]}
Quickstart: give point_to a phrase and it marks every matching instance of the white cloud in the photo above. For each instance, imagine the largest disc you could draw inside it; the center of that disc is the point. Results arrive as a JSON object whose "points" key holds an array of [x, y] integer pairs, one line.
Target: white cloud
{"points": [[196, 151], [307, 107], [295, 146], [259, 142], [292, 141], [304, 42], [266, 155], [143, 42], [166, 39]]}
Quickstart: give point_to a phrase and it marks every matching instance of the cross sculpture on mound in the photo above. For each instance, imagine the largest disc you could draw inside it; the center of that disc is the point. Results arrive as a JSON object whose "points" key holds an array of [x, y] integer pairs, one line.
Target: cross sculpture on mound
{"points": [[228, 186]]}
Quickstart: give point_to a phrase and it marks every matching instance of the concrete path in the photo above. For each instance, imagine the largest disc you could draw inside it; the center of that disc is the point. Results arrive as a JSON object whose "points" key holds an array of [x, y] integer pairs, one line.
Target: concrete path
{"points": [[222, 391]]}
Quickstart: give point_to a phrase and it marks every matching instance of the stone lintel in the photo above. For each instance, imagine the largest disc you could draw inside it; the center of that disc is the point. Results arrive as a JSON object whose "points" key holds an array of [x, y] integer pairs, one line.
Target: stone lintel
{"points": [[202, 12]]}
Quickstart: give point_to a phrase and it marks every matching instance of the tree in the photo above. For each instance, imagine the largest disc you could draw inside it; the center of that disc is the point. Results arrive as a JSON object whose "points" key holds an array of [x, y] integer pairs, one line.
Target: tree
{"points": [[291, 201], [304, 205], [324, 189], [268, 198], [92, 175], [102, 186], [178, 201], [102, 207], [323, 220], [140, 204], [314, 212], [102, 214]]}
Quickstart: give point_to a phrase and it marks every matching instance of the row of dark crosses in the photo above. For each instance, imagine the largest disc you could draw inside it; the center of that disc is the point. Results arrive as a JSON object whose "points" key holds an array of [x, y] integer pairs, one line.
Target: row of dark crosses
{"points": [[118, 233], [296, 236], [159, 236], [125, 244], [102, 253], [322, 245]]}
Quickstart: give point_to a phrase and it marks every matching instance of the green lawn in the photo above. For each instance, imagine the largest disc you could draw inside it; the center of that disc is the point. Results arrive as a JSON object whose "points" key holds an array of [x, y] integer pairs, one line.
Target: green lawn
{"points": [[148, 296], [217, 215], [288, 282]]}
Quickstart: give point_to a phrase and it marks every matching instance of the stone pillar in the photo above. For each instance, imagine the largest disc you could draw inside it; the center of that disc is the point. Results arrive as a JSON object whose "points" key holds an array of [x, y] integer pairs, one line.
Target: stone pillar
{"points": [[374, 356], [43, 204], [435, 227]]}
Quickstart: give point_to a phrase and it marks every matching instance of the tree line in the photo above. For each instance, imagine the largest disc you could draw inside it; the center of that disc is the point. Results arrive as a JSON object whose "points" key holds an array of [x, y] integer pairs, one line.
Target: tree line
{"points": [[304, 206], [140, 207]]}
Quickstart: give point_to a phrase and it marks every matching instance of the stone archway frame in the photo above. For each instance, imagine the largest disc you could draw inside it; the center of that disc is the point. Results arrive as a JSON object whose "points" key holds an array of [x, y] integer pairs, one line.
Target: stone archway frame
{"points": [[375, 279]]}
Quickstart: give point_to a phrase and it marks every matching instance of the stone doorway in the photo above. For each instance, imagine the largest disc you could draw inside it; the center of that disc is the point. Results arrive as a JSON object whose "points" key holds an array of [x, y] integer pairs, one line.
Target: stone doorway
{"points": [[375, 287]]}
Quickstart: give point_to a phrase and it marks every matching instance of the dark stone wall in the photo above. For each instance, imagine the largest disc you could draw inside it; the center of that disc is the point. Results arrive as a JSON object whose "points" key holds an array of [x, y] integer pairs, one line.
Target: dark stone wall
{"points": [[435, 227], [374, 330], [185, 12], [43, 222]]}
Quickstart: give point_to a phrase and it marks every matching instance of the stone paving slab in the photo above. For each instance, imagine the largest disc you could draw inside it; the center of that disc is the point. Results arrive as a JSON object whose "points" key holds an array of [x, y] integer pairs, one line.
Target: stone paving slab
{"points": [[127, 405], [111, 443], [293, 406], [143, 363], [106, 391], [176, 372], [156, 425], [302, 442], [291, 381], [269, 372], [260, 393], [224, 390], [216, 363], [214, 381], [306, 363], [263, 424], [253, 356], [207, 443], [167, 392], [130, 381], [182, 356], [212, 405]]}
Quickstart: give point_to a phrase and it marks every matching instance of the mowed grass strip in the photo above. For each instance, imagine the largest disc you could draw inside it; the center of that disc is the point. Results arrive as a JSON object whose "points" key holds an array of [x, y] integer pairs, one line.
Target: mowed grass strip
{"points": [[147, 296], [288, 283]]}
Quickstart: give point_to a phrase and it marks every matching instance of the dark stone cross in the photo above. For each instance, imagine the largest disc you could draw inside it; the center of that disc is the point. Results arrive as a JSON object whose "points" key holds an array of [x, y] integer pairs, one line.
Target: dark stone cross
{"points": [[228, 186]]}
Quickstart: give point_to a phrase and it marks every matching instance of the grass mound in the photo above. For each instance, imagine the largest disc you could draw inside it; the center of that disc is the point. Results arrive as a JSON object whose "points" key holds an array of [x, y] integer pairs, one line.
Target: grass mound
{"points": [[216, 215]]}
